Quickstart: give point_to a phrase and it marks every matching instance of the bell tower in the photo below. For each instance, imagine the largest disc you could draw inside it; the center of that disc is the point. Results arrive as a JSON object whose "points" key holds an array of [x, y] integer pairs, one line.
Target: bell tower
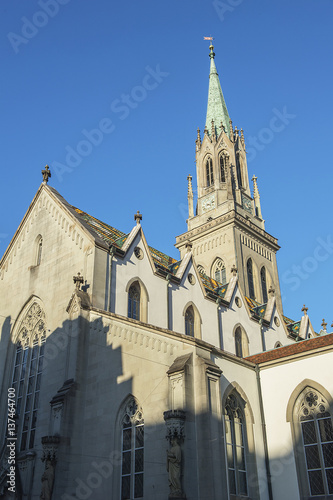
{"points": [[227, 227]]}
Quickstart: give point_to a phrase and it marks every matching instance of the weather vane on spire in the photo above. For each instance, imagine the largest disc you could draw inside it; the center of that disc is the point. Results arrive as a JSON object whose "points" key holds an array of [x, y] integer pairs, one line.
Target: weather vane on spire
{"points": [[208, 38]]}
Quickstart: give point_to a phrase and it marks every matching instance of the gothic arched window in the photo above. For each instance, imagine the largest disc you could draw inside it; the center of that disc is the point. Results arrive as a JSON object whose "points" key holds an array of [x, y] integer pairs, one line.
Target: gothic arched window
{"points": [[189, 321], [132, 457], [134, 294], [235, 431], [223, 167], [263, 284], [238, 169], [28, 373], [250, 279], [209, 172], [313, 432], [241, 343], [219, 272]]}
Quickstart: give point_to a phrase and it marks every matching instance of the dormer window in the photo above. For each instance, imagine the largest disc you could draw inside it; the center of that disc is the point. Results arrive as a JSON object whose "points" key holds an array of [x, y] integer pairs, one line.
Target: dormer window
{"points": [[209, 172]]}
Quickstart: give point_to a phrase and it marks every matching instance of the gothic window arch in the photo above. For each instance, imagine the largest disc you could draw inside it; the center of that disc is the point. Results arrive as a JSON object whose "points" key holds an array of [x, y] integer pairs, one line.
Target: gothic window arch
{"points": [[313, 440], [236, 445], [39, 248], [134, 295], [239, 169], [223, 167], [219, 271], [137, 300], [241, 343], [132, 455], [192, 321], [263, 281], [27, 373], [250, 280], [189, 321], [209, 171]]}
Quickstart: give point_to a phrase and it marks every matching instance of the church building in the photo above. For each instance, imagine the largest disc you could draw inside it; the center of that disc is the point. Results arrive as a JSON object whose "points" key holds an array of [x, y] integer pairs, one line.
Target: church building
{"points": [[127, 374]]}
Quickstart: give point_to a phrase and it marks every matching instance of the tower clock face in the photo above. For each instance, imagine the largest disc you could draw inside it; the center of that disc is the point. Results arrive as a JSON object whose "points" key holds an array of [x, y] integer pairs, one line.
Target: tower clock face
{"points": [[208, 203]]}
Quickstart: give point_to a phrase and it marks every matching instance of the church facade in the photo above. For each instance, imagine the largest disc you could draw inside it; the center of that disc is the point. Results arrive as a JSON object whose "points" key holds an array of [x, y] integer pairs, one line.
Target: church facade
{"points": [[127, 374]]}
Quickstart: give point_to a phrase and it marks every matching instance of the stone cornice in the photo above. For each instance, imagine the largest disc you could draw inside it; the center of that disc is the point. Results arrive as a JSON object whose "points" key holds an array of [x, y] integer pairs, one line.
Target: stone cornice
{"points": [[222, 220]]}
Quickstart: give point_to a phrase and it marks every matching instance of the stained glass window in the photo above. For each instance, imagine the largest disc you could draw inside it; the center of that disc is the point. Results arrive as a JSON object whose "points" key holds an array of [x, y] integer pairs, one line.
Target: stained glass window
{"points": [[132, 467], [27, 374], [235, 447], [317, 436]]}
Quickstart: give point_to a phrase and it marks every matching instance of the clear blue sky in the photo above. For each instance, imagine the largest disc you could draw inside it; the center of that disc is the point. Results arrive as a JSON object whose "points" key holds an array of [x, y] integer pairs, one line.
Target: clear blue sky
{"points": [[67, 64]]}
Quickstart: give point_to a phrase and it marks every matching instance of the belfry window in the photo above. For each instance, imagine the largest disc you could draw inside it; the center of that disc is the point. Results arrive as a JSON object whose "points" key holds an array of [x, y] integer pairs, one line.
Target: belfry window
{"points": [[314, 440], [223, 166], [189, 321], [132, 457], [235, 446], [250, 280], [27, 374], [134, 293], [209, 172], [219, 272], [263, 285]]}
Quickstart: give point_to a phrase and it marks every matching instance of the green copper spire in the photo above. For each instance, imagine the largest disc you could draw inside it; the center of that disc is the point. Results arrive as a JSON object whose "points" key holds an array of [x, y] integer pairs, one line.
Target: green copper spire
{"points": [[216, 109]]}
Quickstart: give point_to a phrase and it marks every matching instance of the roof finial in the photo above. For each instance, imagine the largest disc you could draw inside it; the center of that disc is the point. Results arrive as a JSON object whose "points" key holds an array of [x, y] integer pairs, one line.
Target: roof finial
{"points": [[271, 292], [256, 197], [324, 325], [198, 141], [234, 270], [190, 196], [305, 310], [138, 217], [46, 174]]}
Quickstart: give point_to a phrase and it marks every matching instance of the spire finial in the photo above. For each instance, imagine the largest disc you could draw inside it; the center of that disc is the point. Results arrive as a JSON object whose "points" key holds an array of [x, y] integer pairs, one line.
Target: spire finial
{"points": [[190, 196], [46, 174], [324, 325], [305, 310], [234, 270], [256, 197], [138, 217], [271, 292], [212, 53]]}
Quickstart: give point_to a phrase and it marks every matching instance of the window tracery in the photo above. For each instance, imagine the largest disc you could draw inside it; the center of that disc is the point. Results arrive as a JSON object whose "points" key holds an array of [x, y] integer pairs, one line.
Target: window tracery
{"points": [[132, 467], [236, 446], [314, 418], [219, 272], [27, 374]]}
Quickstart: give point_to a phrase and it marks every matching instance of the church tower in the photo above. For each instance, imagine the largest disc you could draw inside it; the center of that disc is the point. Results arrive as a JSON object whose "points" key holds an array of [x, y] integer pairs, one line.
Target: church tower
{"points": [[227, 227]]}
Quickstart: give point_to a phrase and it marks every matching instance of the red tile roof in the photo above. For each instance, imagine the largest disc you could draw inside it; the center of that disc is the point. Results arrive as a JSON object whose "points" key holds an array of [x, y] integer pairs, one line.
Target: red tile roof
{"points": [[292, 349]]}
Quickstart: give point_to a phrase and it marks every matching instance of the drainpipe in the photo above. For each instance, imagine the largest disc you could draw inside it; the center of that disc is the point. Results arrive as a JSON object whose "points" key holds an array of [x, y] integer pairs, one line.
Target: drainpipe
{"points": [[168, 278], [111, 250], [264, 435], [219, 325]]}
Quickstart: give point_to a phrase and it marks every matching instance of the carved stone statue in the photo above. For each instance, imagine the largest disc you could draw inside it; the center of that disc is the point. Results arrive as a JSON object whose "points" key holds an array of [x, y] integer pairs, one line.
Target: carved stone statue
{"points": [[174, 457], [47, 480]]}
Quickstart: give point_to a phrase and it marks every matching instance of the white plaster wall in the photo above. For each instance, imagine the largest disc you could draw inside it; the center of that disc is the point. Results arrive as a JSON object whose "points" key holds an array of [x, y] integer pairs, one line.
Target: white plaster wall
{"points": [[278, 383]]}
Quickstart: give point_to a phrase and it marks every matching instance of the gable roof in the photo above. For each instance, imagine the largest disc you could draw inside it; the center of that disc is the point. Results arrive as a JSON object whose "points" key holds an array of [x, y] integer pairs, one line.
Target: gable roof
{"points": [[292, 349]]}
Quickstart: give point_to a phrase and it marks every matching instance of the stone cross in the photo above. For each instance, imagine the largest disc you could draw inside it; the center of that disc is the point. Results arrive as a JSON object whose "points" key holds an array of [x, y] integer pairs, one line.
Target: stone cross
{"points": [[46, 174], [78, 280], [305, 310], [138, 217]]}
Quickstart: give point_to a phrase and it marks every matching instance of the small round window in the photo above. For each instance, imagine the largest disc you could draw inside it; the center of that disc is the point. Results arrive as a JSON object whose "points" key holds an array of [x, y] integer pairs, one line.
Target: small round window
{"points": [[138, 253], [191, 278], [276, 321], [238, 302]]}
